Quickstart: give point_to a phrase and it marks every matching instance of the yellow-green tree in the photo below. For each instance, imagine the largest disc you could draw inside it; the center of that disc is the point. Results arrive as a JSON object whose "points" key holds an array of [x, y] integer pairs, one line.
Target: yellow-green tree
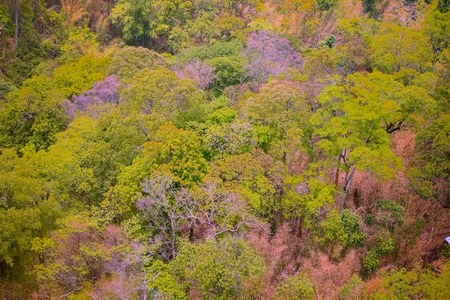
{"points": [[28, 208], [218, 269], [417, 283], [129, 60], [161, 92], [175, 152], [281, 113], [396, 47], [32, 113], [351, 122], [437, 28], [75, 77]]}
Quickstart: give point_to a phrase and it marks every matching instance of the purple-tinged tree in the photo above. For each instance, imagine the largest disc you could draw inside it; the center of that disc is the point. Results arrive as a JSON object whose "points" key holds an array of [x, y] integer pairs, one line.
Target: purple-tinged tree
{"points": [[199, 71], [269, 55], [101, 92]]}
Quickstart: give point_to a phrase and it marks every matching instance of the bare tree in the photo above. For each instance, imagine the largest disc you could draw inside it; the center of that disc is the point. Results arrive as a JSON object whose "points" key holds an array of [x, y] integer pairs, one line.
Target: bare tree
{"points": [[199, 71], [162, 211], [221, 210], [204, 212]]}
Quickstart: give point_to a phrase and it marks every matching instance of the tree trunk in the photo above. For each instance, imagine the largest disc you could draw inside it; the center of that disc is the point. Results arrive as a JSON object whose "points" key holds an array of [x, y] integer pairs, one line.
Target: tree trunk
{"points": [[315, 292], [348, 179], [36, 10], [16, 22], [172, 242], [337, 172]]}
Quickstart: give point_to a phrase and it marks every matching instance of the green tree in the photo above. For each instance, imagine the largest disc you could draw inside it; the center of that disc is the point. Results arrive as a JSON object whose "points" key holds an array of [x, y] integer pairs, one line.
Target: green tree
{"points": [[28, 208], [282, 109], [206, 52], [126, 131], [37, 35], [133, 17], [174, 152], [296, 287], [148, 23], [6, 25], [306, 197], [201, 29], [397, 47], [385, 244], [442, 67], [437, 27], [416, 283], [73, 78], [227, 26], [129, 60], [390, 214], [223, 133], [81, 164], [258, 177], [221, 140], [326, 4], [161, 284], [432, 165], [370, 262], [351, 123], [32, 113], [229, 71], [80, 42], [342, 228], [161, 92], [219, 269], [5, 88], [354, 289]]}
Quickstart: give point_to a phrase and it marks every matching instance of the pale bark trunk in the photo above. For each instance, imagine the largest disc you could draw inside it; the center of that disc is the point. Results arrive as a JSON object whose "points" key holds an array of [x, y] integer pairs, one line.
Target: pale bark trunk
{"points": [[16, 22], [348, 179]]}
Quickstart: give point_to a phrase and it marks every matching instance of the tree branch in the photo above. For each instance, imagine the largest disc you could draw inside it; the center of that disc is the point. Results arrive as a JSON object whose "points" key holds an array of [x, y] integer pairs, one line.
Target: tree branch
{"points": [[153, 278], [65, 295]]}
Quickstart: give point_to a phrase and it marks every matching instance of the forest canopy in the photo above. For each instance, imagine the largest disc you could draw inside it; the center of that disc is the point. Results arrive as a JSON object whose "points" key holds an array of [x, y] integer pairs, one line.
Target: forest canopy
{"points": [[224, 149]]}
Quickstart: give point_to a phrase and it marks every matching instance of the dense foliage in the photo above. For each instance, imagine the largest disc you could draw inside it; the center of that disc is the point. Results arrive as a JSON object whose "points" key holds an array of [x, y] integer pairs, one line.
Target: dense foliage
{"points": [[224, 149]]}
